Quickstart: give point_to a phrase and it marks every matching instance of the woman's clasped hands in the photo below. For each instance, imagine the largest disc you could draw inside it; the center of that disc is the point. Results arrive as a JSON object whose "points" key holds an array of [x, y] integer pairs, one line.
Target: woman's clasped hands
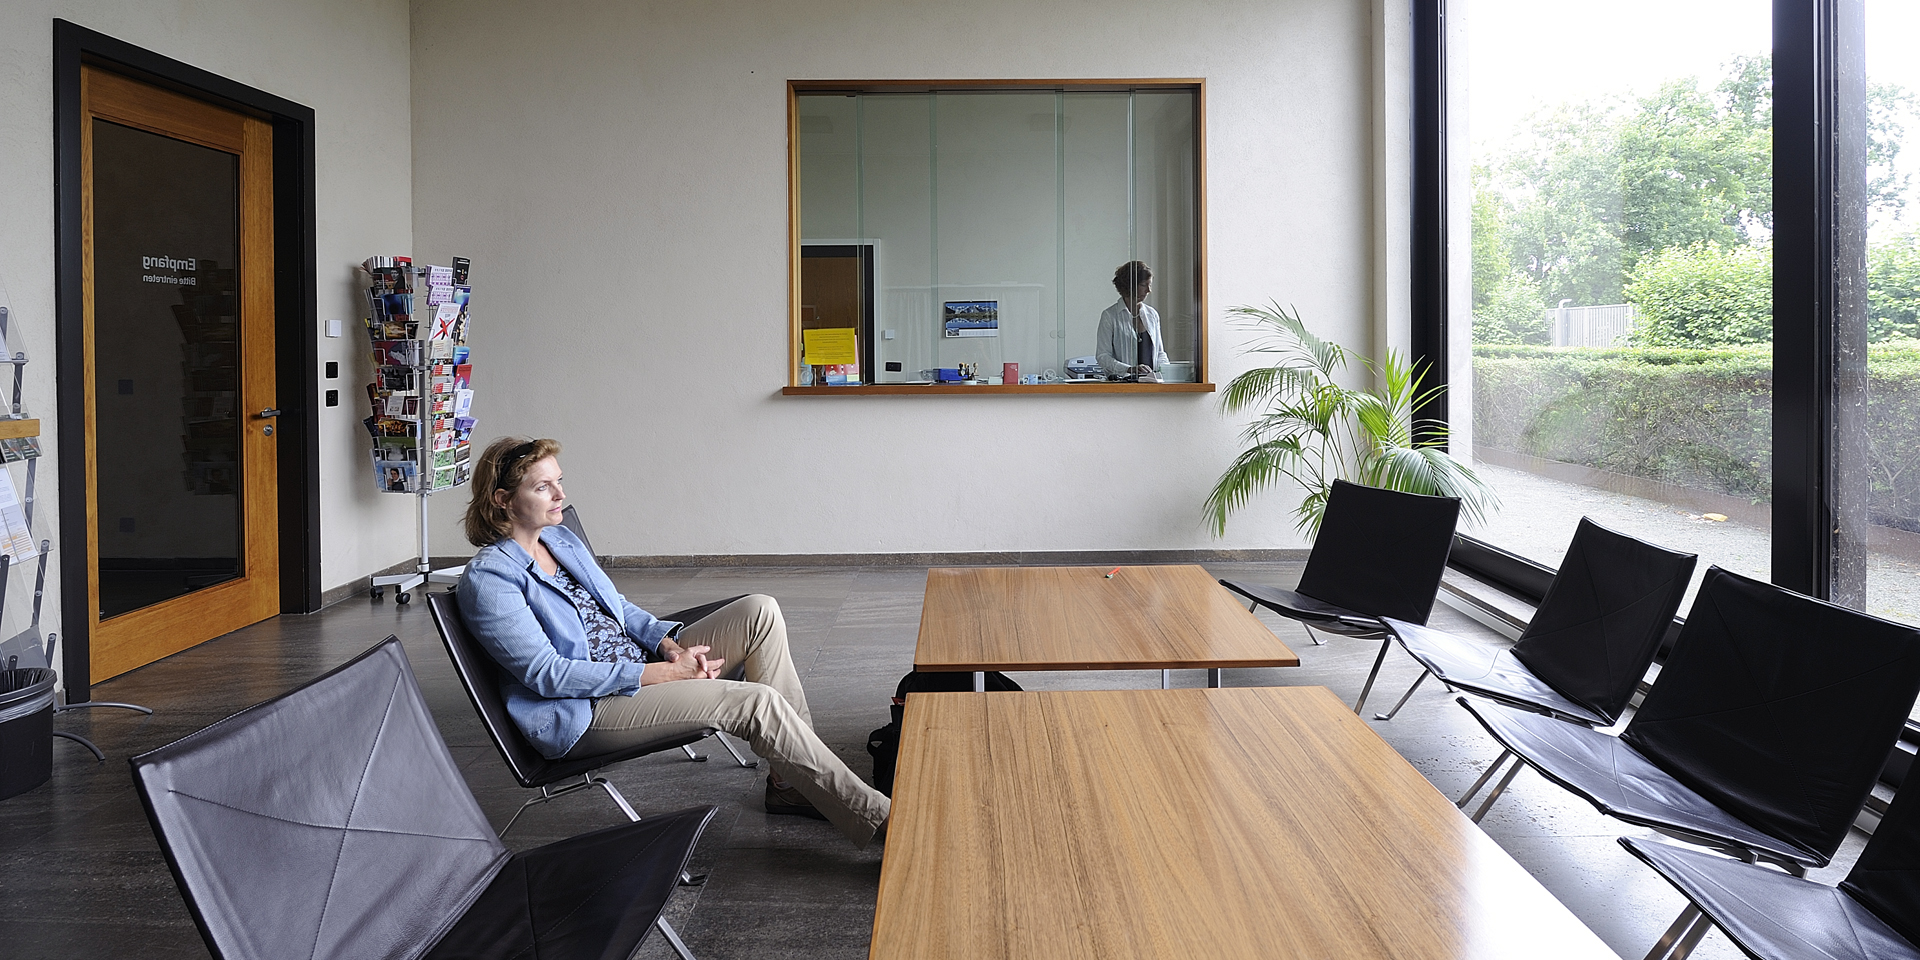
{"points": [[681, 663]]}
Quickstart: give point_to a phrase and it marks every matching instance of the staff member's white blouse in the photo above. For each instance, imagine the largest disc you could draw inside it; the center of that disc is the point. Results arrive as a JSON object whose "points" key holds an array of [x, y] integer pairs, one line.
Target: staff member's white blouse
{"points": [[1117, 345]]}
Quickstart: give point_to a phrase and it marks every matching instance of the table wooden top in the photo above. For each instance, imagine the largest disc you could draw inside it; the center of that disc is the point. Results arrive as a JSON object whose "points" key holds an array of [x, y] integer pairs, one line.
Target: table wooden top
{"points": [[1078, 618], [1258, 822]]}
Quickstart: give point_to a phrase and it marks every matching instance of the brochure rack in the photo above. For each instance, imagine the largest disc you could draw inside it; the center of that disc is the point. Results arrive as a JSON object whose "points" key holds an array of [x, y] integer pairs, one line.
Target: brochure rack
{"points": [[20, 440], [421, 395]]}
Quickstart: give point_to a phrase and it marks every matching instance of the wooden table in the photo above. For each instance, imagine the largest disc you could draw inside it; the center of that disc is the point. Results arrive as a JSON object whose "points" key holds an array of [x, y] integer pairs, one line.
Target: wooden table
{"points": [[1078, 618], [1261, 822]]}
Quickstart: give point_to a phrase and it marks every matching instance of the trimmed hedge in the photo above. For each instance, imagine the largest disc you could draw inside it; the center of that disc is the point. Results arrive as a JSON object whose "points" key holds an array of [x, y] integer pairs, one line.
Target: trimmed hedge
{"points": [[1698, 418]]}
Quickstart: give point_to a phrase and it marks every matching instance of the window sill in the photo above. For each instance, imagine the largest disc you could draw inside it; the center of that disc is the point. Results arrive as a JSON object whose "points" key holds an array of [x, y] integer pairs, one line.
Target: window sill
{"points": [[951, 389]]}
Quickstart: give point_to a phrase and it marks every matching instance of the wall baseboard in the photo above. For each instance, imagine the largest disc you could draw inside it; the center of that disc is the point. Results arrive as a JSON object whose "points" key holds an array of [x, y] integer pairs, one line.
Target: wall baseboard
{"points": [[1017, 558], [358, 586]]}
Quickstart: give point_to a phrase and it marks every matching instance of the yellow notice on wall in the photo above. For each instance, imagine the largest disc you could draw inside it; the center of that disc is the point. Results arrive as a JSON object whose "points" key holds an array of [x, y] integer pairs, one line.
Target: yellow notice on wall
{"points": [[829, 345]]}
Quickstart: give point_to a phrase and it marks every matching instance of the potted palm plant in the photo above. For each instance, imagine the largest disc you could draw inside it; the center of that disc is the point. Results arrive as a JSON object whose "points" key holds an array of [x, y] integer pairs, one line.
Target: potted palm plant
{"points": [[1311, 430]]}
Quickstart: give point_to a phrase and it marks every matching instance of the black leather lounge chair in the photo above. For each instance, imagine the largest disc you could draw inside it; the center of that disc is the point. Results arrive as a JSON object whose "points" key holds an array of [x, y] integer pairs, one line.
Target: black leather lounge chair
{"points": [[480, 677], [1873, 915], [332, 823], [1380, 553], [1762, 736], [1589, 644]]}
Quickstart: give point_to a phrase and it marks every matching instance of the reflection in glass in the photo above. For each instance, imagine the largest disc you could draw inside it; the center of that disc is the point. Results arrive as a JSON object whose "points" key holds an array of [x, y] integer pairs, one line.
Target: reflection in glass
{"points": [[166, 366], [1876, 463], [1016, 205], [1621, 223]]}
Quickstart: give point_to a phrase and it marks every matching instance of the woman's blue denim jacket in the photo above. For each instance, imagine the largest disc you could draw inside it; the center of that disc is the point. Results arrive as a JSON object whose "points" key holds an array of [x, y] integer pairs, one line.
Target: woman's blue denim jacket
{"points": [[535, 633]]}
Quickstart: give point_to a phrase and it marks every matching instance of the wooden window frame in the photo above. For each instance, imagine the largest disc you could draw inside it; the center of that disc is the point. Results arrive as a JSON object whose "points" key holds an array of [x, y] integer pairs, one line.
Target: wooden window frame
{"points": [[1202, 366]]}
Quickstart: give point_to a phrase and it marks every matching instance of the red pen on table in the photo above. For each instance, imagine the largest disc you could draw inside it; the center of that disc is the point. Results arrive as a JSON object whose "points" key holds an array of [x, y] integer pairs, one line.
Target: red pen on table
{"points": [[1110, 573]]}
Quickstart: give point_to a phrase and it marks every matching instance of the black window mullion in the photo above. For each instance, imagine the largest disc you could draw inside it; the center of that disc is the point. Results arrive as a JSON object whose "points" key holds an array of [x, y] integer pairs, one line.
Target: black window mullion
{"points": [[1804, 110]]}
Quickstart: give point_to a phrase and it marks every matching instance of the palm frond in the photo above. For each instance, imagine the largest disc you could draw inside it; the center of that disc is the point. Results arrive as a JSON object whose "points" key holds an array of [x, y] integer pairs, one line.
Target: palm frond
{"points": [[1433, 472], [1254, 470], [1311, 430]]}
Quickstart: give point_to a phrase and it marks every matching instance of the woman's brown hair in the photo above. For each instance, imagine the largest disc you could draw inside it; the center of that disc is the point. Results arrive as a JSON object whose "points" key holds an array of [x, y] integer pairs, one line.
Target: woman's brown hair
{"points": [[1130, 276], [501, 467]]}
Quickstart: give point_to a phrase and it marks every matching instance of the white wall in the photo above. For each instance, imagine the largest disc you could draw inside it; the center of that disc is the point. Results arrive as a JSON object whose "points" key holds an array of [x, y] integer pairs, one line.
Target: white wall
{"points": [[348, 60], [617, 171]]}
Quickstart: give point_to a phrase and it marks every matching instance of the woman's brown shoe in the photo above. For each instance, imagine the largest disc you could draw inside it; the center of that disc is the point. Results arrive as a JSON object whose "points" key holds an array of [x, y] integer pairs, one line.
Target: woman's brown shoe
{"points": [[786, 801]]}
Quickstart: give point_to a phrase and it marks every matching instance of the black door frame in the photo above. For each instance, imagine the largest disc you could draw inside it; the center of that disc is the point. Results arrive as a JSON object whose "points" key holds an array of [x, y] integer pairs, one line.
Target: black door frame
{"points": [[296, 345]]}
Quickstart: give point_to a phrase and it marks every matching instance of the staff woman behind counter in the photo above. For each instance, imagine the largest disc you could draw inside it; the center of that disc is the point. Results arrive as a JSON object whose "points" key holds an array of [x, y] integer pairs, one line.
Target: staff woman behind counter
{"points": [[1128, 342], [588, 672]]}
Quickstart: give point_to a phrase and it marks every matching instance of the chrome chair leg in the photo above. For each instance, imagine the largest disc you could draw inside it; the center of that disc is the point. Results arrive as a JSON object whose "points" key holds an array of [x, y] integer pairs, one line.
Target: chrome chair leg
{"points": [[614, 792], [1701, 928], [1166, 679], [1313, 636], [1424, 674], [737, 758], [1213, 677], [1498, 789], [587, 781], [673, 939], [1360, 705], [1678, 934], [687, 748], [1492, 769]]}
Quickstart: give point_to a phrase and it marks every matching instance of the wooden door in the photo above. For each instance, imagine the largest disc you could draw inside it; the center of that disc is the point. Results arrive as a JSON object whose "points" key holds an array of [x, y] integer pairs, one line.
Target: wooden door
{"points": [[177, 247], [836, 292]]}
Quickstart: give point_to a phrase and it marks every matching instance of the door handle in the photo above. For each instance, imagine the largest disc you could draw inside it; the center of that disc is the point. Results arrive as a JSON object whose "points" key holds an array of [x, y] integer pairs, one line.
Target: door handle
{"points": [[267, 414]]}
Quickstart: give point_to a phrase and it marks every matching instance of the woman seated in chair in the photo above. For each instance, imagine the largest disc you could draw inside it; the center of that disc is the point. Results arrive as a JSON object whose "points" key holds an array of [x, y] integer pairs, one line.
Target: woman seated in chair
{"points": [[589, 672]]}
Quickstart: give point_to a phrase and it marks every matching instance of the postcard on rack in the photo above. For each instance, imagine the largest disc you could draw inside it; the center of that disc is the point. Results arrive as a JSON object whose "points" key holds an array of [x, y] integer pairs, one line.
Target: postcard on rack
{"points": [[395, 476], [440, 277], [462, 402], [444, 317], [463, 376]]}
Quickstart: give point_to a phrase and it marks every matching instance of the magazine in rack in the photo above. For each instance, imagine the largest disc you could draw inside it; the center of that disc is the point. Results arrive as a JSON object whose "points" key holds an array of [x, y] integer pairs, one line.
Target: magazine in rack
{"points": [[421, 395]]}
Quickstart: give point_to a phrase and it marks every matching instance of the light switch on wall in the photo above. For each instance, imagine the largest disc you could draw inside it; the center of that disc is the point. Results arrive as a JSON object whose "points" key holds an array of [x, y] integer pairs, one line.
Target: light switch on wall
{"points": [[888, 335], [333, 328]]}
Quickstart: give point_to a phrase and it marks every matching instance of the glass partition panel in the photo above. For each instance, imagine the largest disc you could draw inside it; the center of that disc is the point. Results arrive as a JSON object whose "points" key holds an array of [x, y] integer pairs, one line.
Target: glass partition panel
{"points": [[1165, 231], [1096, 147], [1621, 219], [996, 230], [896, 164], [965, 230]]}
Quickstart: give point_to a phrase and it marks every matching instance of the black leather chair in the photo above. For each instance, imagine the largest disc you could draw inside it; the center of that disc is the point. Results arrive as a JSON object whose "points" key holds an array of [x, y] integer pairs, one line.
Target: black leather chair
{"points": [[480, 676], [1588, 645], [1873, 915], [1379, 553], [1762, 736], [331, 822]]}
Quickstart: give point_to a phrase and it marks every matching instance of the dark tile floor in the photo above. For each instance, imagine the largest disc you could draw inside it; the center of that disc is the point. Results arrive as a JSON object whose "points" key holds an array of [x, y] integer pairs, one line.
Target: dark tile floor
{"points": [[80, 875]]}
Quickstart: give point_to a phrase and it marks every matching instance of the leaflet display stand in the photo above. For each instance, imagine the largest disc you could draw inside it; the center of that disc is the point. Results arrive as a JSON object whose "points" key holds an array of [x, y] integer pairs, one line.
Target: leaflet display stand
{"points": [[20, 441], [422, 393]]}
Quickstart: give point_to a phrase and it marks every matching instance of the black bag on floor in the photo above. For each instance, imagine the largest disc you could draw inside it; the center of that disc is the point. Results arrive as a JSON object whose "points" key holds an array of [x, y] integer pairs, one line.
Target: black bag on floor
{"points": [[884, 743]]}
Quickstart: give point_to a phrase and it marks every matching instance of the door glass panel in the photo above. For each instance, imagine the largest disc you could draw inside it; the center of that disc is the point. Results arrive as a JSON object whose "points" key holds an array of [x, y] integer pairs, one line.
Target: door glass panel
{"points": [[1621, 221], [167, 434]]}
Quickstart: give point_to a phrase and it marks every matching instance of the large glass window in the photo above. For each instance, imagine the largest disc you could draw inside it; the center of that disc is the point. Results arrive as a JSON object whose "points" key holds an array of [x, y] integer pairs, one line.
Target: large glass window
{"points": [[942, 231], [1876, 355], [1621, 221]]}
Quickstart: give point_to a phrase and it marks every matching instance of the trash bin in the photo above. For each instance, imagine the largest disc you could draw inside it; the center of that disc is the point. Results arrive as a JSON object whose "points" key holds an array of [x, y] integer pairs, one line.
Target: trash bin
{"points": [[26, 729]]}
